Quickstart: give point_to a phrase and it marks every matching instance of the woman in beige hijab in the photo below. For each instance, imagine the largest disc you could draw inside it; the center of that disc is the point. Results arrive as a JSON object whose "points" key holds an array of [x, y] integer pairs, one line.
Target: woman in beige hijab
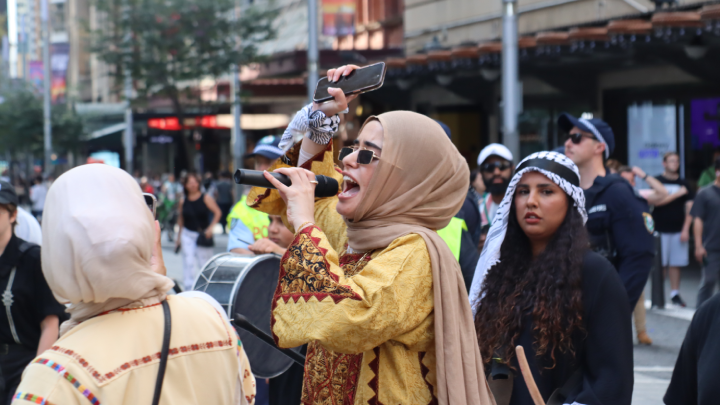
{"points": [[367, 282], [98, 256]]}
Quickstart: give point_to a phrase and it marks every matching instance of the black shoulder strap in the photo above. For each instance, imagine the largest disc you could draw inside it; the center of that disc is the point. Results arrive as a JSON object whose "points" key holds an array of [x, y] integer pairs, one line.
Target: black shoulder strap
{"points": [[163, 353]]}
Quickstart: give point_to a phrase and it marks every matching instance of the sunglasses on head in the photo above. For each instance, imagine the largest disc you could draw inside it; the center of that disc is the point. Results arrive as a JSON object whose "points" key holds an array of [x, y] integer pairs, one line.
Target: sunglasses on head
{"points": [[577, 137], [365, 156], [490, 167]]}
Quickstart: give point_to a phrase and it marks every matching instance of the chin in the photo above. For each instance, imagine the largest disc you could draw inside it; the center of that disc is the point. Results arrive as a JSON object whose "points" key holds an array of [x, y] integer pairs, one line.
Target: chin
{"points": [[346, 209]]}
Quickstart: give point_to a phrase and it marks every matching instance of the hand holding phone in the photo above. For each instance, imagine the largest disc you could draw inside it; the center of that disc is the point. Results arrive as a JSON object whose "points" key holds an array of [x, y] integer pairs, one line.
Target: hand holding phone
{"points": [[348, 81]]}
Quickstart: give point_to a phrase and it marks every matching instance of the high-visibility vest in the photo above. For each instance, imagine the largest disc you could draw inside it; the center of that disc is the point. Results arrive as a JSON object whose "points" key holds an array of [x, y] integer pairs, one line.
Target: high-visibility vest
{"points": [[452, 235], [256, 221]]}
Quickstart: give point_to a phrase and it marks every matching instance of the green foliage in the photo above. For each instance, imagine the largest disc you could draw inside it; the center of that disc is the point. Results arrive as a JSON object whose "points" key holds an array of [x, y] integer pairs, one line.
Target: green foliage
{"points": [[21, 123], [176, 41]]}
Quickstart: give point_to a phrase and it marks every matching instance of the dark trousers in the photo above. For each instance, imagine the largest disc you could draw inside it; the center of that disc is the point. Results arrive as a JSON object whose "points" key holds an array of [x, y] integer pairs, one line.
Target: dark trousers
{"points": [[286, 389], [13, 360], [225, 209], [710, 270]]}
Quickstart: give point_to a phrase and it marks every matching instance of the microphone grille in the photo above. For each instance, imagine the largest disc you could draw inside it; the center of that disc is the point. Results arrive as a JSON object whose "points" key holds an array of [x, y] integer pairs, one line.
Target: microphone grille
{"points": [[326, 187]]}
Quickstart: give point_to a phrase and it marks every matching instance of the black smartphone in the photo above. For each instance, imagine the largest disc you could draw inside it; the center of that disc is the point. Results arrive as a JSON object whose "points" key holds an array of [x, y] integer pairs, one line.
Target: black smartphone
{"points": [[358, 81], [151, 202]]}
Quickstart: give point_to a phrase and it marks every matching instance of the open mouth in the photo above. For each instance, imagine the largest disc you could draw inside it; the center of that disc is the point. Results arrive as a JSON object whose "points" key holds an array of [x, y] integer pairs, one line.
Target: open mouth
{"points": [[350, 187]]}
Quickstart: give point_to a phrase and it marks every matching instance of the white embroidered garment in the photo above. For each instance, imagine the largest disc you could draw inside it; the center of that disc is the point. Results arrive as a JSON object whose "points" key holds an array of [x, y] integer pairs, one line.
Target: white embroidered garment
{"points": [[556, 167]]}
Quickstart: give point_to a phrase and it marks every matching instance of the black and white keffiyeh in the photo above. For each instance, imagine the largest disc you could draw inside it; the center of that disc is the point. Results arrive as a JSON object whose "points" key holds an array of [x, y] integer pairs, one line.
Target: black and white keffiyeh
{"points": [[556, 167], [318, 127]]}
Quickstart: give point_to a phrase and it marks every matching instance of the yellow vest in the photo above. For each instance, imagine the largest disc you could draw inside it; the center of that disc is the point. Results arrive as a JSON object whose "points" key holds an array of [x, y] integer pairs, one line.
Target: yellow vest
{"points": [[256, 221], [452, 235]]}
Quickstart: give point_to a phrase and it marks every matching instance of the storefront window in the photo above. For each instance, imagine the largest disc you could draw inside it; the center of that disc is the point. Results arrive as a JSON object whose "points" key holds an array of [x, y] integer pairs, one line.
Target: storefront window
{"points": [[652, 132]]}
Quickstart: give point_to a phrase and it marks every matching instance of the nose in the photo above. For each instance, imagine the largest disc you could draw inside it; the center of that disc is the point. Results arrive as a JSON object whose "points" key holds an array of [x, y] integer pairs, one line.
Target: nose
{"points": [[532, 201], [496, 171]]}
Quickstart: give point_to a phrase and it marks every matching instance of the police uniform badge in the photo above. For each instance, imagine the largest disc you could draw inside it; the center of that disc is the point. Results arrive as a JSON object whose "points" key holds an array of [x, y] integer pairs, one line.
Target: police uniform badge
{"points": [[649, 222]]}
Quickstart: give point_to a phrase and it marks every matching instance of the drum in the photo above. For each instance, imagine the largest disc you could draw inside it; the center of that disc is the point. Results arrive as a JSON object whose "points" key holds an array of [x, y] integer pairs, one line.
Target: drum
{"points": [[245, 284]]}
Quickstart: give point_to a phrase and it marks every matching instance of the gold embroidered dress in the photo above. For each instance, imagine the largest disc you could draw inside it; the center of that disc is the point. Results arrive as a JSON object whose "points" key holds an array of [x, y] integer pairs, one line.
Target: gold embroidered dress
{"points": [[367, 317]]}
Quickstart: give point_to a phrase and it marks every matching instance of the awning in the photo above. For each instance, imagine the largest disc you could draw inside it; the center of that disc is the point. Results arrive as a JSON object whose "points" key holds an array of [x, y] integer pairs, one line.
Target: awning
{"points": [[107, 130]]}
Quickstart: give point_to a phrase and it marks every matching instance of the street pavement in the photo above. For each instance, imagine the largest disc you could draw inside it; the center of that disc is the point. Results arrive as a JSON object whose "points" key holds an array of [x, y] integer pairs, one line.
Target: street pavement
{"points": [[653, 364]]}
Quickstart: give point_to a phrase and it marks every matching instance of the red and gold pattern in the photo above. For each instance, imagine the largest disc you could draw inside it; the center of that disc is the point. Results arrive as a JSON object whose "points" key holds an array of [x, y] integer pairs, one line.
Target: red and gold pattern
{"points": [[331, 378], [305, 273]]}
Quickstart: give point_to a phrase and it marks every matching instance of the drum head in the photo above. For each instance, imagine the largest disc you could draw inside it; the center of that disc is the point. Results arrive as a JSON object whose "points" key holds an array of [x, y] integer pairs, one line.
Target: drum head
{"points": [[253, 299]]}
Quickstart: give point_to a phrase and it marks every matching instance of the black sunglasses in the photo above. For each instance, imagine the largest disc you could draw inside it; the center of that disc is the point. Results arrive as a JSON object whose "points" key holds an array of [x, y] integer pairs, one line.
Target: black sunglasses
{"points": [[365, 156], [490, 167], [577, 137]]}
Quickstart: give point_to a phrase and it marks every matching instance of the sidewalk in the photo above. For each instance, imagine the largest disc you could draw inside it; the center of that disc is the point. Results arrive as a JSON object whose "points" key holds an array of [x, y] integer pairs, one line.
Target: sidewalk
{"points": [[174, 262], [654, 364]]}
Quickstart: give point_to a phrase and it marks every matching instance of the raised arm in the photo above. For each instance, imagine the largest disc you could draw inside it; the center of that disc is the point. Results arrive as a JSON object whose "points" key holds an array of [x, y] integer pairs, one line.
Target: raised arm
{"points": [[659, 192]]}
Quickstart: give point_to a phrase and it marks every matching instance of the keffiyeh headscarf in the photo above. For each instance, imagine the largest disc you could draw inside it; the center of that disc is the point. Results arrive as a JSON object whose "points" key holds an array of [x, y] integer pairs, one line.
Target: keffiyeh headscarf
{"points": [[556, 167]]}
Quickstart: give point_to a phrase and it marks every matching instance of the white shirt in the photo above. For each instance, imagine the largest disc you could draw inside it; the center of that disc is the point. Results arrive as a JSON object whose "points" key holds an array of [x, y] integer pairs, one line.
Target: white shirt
{"points": [[37, 196], [28, 228]]}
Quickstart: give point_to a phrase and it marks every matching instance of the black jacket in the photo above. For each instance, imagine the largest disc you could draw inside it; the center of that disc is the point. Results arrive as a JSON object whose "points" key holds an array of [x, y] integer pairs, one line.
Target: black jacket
{"points": [[620, 228]]}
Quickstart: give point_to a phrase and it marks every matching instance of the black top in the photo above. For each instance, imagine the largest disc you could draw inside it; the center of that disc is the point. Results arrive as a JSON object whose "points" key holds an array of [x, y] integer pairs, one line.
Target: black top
{"points": [[695, 378], [618, 217], [670, 218], [32, 299], [604, 351], [705, 207], [196, 214]]}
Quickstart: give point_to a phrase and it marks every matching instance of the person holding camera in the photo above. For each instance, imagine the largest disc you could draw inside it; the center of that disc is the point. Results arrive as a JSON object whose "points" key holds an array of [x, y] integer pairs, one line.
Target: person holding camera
{"points": [[195, 236]]}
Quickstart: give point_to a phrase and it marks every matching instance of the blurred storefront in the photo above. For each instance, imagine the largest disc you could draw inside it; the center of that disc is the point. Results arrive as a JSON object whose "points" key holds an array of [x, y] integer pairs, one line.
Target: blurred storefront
{"points": [[654, 76]]}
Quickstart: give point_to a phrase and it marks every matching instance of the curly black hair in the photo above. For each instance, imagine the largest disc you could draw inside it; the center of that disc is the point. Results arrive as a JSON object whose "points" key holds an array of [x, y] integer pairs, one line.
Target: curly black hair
{"points": [[549, 286]]}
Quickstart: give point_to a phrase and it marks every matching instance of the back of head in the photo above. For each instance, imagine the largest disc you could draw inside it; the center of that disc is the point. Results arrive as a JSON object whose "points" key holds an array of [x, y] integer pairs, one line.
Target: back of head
{"points": [[97, 241]]}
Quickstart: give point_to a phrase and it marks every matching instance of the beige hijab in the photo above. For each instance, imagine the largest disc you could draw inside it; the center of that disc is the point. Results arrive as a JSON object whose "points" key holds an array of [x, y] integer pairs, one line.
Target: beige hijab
{"points": [[97, 243], [419, 184]]}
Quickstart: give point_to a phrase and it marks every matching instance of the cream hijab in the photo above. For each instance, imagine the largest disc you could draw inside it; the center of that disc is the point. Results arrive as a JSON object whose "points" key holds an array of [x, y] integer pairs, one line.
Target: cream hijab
{"points": [[97, 243], [420, 183]]}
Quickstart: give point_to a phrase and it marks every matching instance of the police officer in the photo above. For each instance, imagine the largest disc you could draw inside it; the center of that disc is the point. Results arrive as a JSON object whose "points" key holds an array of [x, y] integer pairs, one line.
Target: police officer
{"points": [[29, 321], [248, 224], [619, 224]]}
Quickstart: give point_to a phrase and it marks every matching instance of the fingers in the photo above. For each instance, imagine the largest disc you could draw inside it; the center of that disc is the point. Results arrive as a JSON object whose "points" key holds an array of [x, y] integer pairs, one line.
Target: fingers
{"points": [[351, 97], [339, 97], [335, 74], [279, 186]]}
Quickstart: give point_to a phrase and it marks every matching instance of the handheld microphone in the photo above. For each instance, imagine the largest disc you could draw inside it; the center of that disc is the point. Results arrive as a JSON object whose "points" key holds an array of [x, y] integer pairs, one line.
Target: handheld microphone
{"points": [[326, 187]]}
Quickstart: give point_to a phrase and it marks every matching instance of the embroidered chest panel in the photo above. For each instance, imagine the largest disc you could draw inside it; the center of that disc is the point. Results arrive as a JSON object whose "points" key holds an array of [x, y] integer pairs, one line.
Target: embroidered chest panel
{"points": [[331, 378]]}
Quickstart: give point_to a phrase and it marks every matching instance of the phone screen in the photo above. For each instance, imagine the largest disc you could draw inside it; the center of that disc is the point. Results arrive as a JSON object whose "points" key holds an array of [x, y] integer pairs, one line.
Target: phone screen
{"points": [[364, 79], [151, 202]]}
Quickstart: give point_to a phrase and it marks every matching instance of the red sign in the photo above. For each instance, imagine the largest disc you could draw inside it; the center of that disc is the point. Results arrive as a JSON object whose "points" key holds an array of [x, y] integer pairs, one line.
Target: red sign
{"points": [[168, 124]]}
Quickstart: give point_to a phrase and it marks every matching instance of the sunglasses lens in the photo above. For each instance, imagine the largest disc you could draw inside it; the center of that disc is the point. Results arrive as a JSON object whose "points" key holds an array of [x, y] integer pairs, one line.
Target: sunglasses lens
{"points": [[576, 138], [344, 152], [365, 157]]}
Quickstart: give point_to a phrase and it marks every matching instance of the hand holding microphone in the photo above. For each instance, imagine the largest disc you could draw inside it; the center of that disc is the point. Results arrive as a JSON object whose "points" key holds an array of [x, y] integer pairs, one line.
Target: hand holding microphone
{"points": [[297, 187]]}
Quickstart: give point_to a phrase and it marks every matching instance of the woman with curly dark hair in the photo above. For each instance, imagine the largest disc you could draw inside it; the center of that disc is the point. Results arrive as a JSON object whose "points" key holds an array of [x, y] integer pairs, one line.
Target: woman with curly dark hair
{"points": [[538, 285]]}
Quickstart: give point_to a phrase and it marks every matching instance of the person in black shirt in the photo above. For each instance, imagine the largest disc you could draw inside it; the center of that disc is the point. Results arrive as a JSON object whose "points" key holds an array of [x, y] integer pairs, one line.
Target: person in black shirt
{"points": [[542, 288], [31, 317], [672, 220], [695, 378]]}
